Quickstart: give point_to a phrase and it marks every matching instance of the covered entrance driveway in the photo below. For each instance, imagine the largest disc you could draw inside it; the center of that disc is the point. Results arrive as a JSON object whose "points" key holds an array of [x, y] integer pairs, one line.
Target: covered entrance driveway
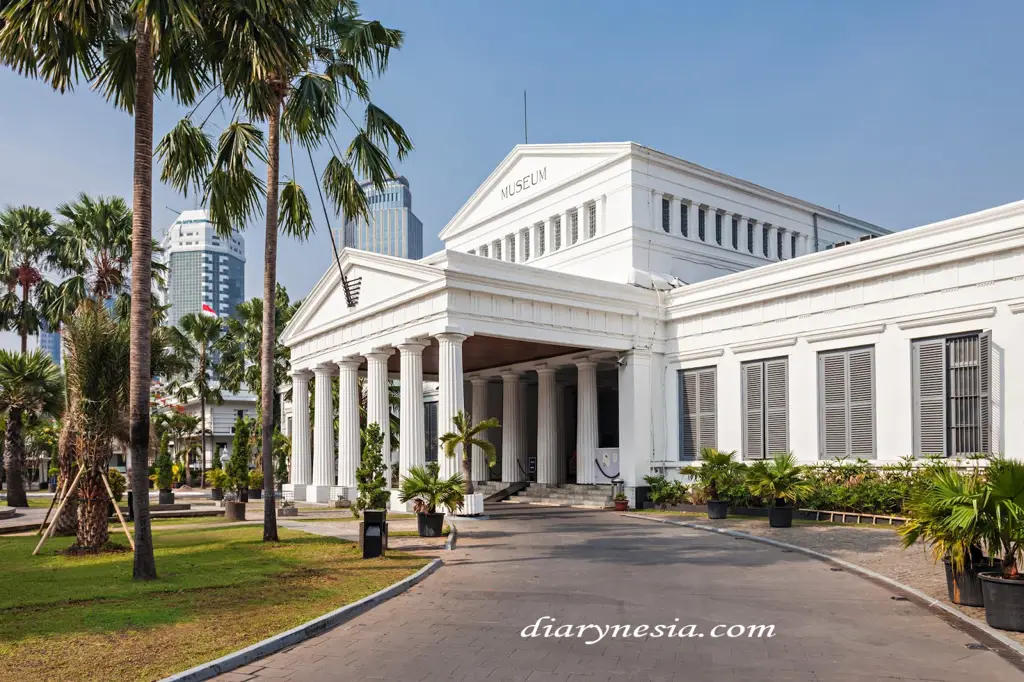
{"points": [[569, 357]]}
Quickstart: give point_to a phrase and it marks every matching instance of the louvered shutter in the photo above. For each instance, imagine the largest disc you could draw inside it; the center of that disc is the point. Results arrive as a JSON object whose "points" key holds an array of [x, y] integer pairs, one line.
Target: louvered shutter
{"points": [[753, 410], [776, 402], [832, 387], [929, 396], [687, 414], [861, 392], [708, 402], [985, 390]]}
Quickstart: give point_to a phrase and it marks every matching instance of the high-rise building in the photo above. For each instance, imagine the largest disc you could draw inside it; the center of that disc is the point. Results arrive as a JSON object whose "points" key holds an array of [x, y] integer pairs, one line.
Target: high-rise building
{"points": [[392, 229], [203, 268], [49, 341]]}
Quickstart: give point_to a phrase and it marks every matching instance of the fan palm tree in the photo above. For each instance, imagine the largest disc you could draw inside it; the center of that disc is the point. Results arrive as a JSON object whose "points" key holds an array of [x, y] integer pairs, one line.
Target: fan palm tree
{"points": [[97, 370], [195, 338], [423, 485], [25, 243], [781, 479], [294, 66], [129, 50], [466, 436], [30, 384]]}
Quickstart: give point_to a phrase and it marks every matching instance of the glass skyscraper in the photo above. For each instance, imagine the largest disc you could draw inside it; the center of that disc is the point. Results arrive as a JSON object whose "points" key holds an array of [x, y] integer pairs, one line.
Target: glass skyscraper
{"points": [[203, 268], [392, 229], [49, 341]]}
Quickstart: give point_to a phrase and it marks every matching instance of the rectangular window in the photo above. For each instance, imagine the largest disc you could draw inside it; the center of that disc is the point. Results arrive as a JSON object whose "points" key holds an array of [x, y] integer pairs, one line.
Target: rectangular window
{"points": [[750, 236], [591, 221], [558, 232], [718, 228], [735, 233], [684, 220], [497, 249], [700, 224], [698, 417], [765, 400], [430, 431], [792, 245], [541, 244], [511, 248], [778, 246], [846, 403], [764, 239], [952, 379], [525, 236], [483, 250], [666, 214], [574, 227]]}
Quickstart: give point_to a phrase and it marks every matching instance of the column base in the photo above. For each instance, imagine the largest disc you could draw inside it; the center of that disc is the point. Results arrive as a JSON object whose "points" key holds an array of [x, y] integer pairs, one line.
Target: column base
{"points": [[397, 506], [472, 505], [294, 492], [318, 494]]}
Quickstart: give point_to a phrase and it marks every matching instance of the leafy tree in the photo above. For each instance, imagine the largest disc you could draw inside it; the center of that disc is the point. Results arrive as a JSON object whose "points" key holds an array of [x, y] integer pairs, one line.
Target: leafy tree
{"points": [[30, 384], [282, 455], [294, 66], [238, 464], [195, 338], [164, 464], [25, 244], [461, 441], [370, 474]]}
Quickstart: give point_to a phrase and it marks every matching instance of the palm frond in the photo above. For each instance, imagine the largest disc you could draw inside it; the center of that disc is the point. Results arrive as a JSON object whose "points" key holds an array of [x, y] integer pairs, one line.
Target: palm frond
{"points": [[187, 156], [296, 217], [370, 160], [310, 112], [384, 130], [344, 190]]}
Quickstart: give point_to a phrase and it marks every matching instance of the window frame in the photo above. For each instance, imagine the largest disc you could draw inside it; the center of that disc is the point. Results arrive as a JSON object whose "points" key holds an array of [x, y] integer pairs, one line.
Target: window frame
{"points": [[848, 406], [705, 379]]}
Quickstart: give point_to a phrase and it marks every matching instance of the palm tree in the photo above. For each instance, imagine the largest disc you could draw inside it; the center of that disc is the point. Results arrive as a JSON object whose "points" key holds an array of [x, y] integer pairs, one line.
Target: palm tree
{"points": [[291, 65], [428, 491], [780, 479], [30, 384], [25, 243], [97, 371], [195, 338], [128, 49], [466, 435]]}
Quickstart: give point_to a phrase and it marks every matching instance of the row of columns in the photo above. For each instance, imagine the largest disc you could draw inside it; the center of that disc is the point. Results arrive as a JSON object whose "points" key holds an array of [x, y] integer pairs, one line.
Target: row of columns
{"points": [[314, 463], [550, 235]]}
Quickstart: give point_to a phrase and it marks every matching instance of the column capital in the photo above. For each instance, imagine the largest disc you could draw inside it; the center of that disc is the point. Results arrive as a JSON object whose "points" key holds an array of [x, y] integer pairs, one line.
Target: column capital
{"points": [[300, 374], [451, 337], [348, 363], [479, 381], [324, 368], [412, 347], [546, 371], [510, 376], [379, 354], [586, 364]]}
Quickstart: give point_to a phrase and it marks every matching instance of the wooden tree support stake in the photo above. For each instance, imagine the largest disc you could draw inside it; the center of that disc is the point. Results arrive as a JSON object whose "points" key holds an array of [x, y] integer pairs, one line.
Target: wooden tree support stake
{"points": [[56, 496], [60, 508], [117, 508]]}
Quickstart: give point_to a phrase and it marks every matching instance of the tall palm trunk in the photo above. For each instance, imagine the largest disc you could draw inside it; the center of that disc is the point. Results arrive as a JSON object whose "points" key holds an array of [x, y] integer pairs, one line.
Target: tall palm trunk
{"points": [[93, 531], [141, 315], [269, 309], [24, 326], [14, 459], [467, 470], [202, 442], [67, 521]]}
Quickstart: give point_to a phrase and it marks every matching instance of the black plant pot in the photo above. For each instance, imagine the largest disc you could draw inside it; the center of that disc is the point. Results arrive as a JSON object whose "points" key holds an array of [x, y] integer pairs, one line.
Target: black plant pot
{"points": [[1004, 602], [216, 493], [243, 495], [429, 525], [965, 589], [255, 493], [166, 497], [717, 509], [780, 517]]}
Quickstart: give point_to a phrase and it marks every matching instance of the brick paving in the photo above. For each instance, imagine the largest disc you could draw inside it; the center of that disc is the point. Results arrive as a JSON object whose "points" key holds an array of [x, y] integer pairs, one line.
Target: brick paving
{"points": [[581, 567]]}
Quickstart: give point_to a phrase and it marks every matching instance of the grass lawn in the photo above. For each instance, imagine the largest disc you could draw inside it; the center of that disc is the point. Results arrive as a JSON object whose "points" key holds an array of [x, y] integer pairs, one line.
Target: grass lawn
{"points": [[218, 590]]}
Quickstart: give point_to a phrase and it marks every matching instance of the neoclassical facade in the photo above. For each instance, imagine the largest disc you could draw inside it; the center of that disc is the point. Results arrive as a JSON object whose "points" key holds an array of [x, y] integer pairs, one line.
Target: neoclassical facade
{"points": [[617, 309]]}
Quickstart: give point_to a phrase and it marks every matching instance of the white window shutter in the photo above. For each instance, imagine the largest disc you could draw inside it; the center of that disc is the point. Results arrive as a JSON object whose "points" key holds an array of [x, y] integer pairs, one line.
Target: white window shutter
{"points": [[753, 410], [861, 377], [832, 390], [708, 400], [776, 402], [929, 397], [985, 391], [687, 414]]}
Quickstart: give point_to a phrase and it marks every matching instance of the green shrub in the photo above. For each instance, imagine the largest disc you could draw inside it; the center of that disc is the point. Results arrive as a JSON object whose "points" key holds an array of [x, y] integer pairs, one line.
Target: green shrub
{"points": [[117, 483], [255, 479], [370, 476], [665, 492], [216, 478], [164, 465], [238, 463]]}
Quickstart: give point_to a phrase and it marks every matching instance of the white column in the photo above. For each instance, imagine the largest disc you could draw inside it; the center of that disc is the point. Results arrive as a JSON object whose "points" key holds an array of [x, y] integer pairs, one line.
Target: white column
{"points": [[674, 206], [560, 430], [450, 394], [522, 239], [602, 211], [656, 223], [586, 422], [511, 430], [323, 432], [807, 246], [772, 231], [547, 435], [302, 455], [549, 232], [378, 406], [567, 228], [481, 470], [348, 422], [411, 450]]}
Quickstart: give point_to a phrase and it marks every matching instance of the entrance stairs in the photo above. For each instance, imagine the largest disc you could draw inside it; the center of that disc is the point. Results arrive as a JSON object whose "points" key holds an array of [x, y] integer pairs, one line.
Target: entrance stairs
{"points": [[565, 495]]}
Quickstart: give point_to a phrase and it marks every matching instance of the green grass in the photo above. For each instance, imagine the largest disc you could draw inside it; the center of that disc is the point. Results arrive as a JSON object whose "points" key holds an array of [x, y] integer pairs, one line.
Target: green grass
{"points": [[83, 618]]}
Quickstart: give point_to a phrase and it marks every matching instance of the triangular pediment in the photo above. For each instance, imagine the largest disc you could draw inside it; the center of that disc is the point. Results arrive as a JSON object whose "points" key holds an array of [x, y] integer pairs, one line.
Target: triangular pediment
{"points": [[377, 278], [528, 172]]}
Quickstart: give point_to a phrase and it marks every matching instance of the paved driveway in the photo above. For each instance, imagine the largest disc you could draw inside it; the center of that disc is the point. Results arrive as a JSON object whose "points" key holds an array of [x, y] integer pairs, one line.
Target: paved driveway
{"points": [[579, 568]]}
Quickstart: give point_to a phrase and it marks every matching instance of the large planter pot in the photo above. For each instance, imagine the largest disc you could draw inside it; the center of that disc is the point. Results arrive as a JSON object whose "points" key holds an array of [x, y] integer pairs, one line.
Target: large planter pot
{"points": [[717, 509], [243, 495], [1004, 601], [255, 493], [965, 589], [176, 485], [234, 511], [429, 525], [780, 517], [43, 485], [621, 505], [166, 497], [216, 493]]}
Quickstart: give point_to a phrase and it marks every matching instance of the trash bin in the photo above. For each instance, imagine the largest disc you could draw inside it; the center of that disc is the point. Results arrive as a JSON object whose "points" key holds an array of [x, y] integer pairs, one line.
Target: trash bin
{"points": [[131, 507], [375, 531]]}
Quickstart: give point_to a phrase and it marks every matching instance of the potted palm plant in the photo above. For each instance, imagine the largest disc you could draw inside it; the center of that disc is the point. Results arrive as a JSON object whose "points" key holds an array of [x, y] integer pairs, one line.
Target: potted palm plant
{"points": [[999, 509], [217, 480], [930, 510], [718, 471], [255, 485], [778, 482], [428, 493], [464, 437]]}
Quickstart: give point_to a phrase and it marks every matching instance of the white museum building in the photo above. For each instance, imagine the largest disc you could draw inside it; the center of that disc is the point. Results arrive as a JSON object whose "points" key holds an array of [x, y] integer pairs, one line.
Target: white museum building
{"points": [[618, 309]]}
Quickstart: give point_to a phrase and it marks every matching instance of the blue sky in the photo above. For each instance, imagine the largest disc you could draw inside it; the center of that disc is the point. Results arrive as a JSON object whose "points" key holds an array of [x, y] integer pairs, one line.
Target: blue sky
{"points": [[899, 113]]}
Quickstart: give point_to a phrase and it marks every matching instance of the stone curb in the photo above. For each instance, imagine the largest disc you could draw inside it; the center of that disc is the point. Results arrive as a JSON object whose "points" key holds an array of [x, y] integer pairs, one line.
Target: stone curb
{"points": [[925, 599], [289, 638]]}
